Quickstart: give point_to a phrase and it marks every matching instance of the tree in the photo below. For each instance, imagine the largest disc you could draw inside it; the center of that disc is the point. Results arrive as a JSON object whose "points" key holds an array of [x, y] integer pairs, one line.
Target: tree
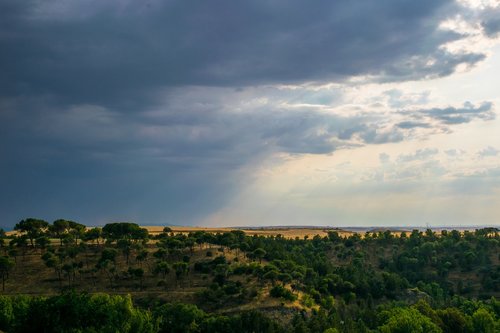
{"points": [[13, 253], [137, 273], [259, 253], [142, 256], [280, 291], [181, 268], [244, 247], [483, 321], [408, 320], [69, 270], [124, 230], [126, 246], [74, 312], [93, 235], [2, 238], [55, 262], [162, 267], [452, 320], [32, 227], [331, 330], [6, 265], [76, 230], [59, 228], [108, 254], [42, 242], [179, 318]]}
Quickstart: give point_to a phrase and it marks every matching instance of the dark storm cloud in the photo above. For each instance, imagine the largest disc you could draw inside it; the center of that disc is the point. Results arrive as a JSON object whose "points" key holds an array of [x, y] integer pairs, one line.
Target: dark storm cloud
{"points": [[119, 51], [86, 131], [173, 164]]}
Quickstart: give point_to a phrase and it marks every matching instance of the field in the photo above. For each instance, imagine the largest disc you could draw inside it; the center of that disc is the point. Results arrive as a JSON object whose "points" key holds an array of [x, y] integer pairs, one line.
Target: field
{"points": [[287, 232]]}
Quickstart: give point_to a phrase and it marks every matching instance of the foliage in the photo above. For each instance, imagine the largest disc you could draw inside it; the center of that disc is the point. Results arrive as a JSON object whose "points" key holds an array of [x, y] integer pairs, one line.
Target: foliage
{"points": [[280, 291], [408, 320], [420, 281]]}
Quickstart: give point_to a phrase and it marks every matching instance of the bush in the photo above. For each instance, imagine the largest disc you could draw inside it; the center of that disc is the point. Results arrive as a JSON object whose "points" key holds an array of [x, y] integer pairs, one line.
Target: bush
{"points": [[74, 313], [280, 291]]}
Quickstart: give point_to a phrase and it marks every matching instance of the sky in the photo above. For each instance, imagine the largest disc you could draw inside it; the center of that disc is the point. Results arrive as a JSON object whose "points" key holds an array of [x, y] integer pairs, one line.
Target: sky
{"points": [[250, 113]]}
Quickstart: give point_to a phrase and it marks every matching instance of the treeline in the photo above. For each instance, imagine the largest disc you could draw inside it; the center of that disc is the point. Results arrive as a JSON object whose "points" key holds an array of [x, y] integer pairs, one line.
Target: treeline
{"points": [[104, 313], [376, 282]]}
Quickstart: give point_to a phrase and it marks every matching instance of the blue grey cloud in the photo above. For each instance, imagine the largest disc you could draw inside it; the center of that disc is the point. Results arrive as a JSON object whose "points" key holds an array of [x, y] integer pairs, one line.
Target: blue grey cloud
{"points": [[89, 52], [453, 115], [491, 22], [454, 153], [412, 124], [450, 115], [488, 152], [173, 162], [419, 155], [92, 126]]}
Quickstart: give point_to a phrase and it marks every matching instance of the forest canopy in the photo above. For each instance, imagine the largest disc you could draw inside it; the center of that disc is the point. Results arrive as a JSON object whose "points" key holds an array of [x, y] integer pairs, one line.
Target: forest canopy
{"points": [[66, 277]]}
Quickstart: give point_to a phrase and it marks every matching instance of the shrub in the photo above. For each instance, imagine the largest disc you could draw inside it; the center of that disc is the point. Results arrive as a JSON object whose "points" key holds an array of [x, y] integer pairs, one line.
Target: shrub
{"points": [[280, 291]]}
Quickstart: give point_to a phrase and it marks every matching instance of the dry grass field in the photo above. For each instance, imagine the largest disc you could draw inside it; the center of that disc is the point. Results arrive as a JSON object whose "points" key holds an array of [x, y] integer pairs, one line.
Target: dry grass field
{"points": [[287, 232]]}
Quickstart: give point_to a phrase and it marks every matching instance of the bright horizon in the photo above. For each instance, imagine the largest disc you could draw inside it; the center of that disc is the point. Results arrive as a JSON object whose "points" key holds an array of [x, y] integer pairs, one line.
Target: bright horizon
{"points": [[251, 114]]}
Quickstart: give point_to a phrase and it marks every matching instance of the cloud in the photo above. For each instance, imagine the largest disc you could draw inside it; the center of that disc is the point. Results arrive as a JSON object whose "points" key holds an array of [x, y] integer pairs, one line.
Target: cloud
{"points": [[488, 152], [452, 115], [491, 22], [190, 147], [412, 124], [399, 98], [384, 158], [419, 155], [161, 110], [481, 183], [172, 163], [117, 53], [454, 152]]}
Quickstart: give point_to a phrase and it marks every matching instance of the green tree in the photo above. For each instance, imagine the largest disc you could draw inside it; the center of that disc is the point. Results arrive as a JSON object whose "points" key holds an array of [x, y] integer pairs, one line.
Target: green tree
{"points": [[142, 256], [124, 230], [6, 265], [32, 227], [163, 268], [453, 320], [59, 228], [54, 262], [42, 242], [408, 320], [126, 246], [137, 273], [107, 263], [93, 235], [2, 238], [259, 253], [179, 318], [331, 330], [483, 321], [181, 269]]}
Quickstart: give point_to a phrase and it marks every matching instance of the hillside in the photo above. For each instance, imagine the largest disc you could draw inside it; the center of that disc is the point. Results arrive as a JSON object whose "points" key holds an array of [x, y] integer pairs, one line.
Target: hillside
{"points": [[342, 276]]}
